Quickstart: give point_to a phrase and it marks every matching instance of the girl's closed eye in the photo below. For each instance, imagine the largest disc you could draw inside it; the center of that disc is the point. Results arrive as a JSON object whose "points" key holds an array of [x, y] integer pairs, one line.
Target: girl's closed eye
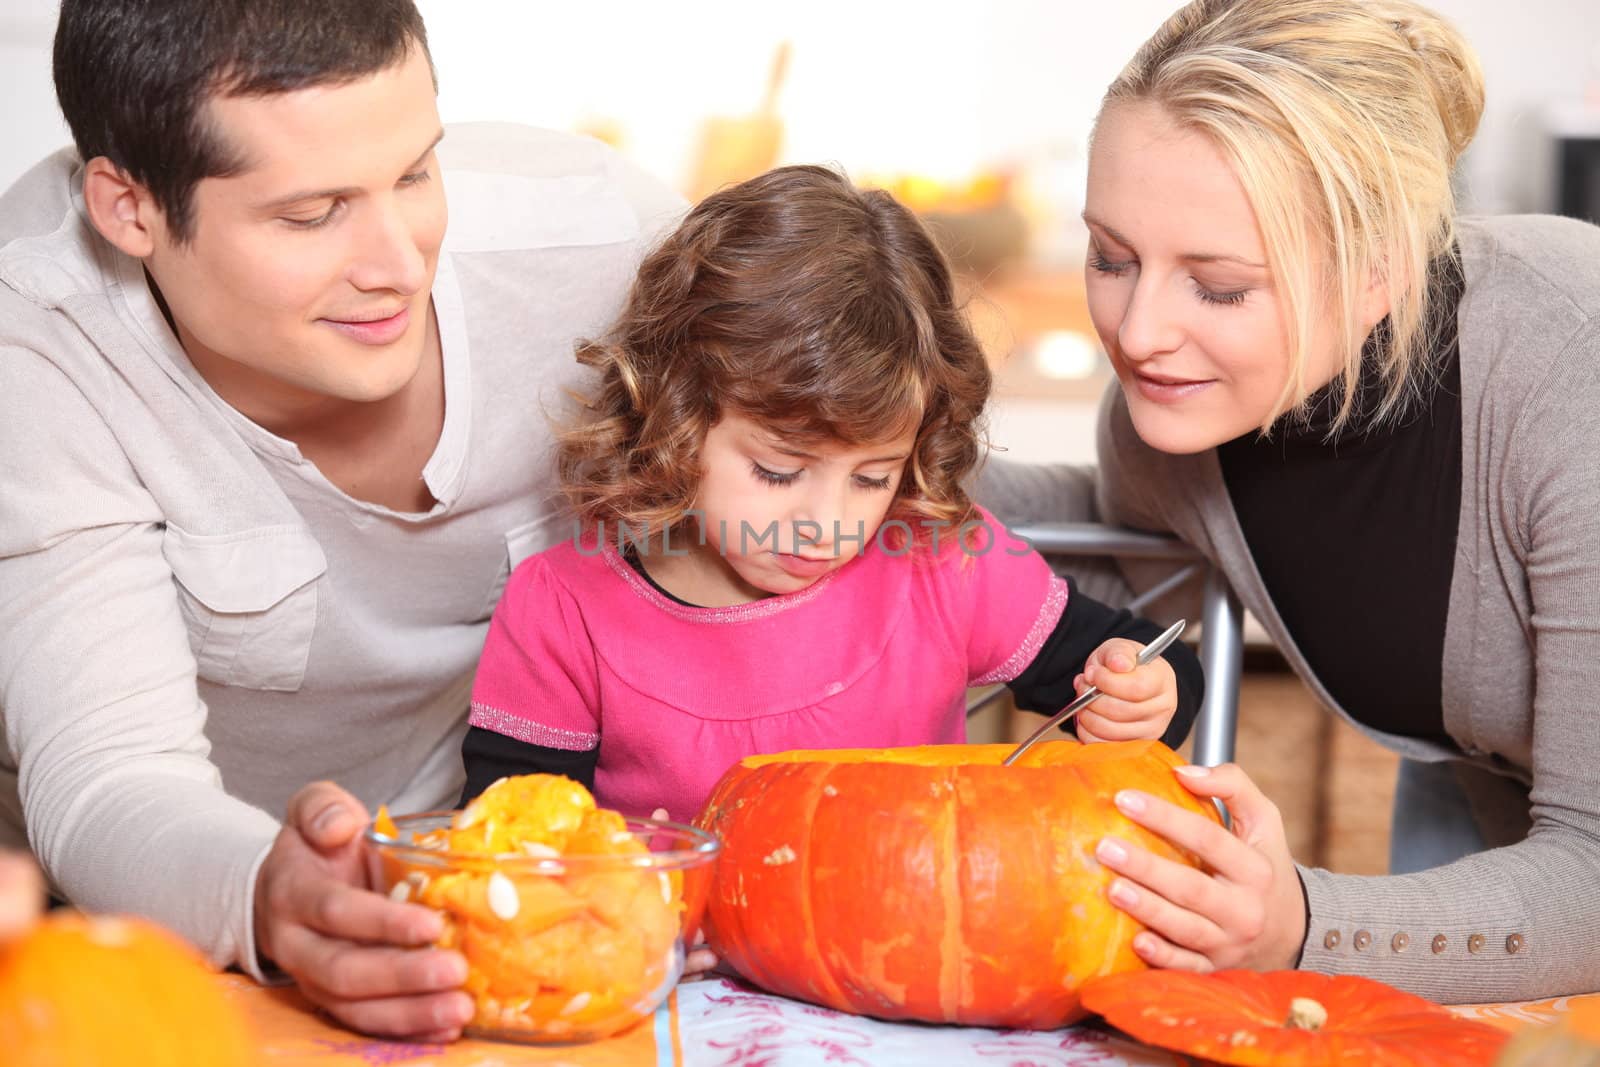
{"points": [[867, 481], [772, 477]]}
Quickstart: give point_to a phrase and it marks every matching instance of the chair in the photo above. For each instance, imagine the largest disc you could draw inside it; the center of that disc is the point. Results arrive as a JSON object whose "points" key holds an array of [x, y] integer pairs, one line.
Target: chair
{"points": [[1222, 619]]}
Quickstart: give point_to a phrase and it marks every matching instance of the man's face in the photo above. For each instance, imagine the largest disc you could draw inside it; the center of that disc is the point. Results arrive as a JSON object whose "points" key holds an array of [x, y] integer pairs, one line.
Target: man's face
{"points": [[309, 272]]}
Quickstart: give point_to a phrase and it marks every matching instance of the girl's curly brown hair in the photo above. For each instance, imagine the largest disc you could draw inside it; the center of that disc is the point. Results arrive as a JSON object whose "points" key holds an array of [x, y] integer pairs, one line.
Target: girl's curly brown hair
{"points": [[823, 311]]}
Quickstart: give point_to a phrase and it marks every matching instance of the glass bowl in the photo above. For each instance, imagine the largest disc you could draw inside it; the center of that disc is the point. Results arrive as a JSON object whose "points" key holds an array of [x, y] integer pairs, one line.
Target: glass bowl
{"points": [[561, 949]]}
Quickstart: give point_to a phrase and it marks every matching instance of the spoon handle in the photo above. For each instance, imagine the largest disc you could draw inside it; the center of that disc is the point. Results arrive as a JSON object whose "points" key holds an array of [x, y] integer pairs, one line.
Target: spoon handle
{"points": [[1087, 697]]}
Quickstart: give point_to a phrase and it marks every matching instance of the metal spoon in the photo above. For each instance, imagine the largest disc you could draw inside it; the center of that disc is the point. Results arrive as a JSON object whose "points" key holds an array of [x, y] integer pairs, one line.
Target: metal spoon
{"points": [[1085, 698]]}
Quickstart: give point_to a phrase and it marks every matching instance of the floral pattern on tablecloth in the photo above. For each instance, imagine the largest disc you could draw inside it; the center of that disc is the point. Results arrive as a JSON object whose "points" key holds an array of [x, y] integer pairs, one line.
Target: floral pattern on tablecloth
{"points": [[726, 1023]]}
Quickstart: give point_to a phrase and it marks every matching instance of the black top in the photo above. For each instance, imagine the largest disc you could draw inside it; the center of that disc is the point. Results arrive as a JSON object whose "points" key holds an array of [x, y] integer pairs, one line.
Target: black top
{"points": [[1045, 685], [1355, 537]]}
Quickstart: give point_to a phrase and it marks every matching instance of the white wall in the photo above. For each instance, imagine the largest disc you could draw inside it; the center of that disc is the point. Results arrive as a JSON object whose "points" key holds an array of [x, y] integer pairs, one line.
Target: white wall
{"points": [[945, 86], [33, 126]]}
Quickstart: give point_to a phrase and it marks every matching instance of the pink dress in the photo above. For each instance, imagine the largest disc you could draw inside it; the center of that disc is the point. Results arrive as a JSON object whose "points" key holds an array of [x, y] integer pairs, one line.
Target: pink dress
{"points": [[583, 651]]}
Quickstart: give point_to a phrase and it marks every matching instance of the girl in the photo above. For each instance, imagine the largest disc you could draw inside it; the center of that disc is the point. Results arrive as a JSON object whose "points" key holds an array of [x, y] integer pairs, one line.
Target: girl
{"points": [[1380, 422], [777, 551]]}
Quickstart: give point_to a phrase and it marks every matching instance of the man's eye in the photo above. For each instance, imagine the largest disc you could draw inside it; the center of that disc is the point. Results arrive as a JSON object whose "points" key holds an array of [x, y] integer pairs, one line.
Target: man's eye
{"points": [[321, 220]]}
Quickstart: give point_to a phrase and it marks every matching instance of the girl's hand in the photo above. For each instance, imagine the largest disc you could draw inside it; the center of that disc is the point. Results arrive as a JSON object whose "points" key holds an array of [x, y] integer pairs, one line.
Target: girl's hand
{"points": [[700, 960], [1136, 703], [1249, 912], [699, 963]]}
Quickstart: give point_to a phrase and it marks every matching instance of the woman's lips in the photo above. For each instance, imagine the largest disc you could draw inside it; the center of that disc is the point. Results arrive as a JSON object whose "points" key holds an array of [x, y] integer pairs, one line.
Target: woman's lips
{"points": [[374, 331], [1160, 389]]}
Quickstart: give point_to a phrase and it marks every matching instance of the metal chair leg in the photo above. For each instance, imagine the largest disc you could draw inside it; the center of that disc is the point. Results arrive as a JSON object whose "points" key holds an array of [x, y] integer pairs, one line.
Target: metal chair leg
{"points": [[1222, 659]]}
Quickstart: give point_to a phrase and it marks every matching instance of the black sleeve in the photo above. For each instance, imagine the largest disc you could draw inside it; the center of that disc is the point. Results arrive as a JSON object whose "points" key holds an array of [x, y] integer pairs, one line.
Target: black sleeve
{"points": [[490, 757], [1045, 685]]}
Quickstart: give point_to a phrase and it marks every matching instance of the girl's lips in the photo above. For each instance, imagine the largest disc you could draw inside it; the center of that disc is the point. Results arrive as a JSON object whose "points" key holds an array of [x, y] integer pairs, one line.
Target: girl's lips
{"points": [[803, 566], [376, 331], [1168, 390]]}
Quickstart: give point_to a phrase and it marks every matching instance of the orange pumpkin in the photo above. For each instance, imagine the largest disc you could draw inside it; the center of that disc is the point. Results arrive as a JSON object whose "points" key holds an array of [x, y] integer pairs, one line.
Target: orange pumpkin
{"points": [[84, 991], [931, 883], [1313, 1020]]}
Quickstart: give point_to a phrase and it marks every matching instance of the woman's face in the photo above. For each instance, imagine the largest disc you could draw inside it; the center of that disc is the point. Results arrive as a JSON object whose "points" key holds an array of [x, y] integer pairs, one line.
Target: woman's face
{"points": [[1178, 285]]}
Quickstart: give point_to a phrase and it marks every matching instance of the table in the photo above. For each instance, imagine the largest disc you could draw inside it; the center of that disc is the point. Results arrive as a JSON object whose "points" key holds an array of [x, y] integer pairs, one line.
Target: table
{"points": [[723, 1023]]}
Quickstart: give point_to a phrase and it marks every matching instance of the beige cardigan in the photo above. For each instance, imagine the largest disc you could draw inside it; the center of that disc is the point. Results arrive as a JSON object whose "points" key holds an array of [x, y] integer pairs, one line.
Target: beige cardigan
{"points": [[1521, 686]]}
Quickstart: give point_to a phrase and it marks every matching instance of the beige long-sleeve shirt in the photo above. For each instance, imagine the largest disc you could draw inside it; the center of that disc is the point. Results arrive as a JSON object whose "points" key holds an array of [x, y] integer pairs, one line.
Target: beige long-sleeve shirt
{"points": [[193, 621]]}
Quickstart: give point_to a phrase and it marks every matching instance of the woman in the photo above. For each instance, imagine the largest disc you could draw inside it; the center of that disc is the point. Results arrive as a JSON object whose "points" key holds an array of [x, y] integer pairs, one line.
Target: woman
{"points": [[1380, 422]]}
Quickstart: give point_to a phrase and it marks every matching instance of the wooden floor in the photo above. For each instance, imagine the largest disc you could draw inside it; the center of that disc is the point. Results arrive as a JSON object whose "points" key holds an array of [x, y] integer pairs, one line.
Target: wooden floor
{"points": [[1333, 785]]}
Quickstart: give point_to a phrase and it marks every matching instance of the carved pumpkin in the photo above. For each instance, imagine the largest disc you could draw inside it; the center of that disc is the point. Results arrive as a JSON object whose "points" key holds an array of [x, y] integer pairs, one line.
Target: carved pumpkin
{"points": [[83, 991], [1311, 1020], [930, 883], [1573, 1041]]}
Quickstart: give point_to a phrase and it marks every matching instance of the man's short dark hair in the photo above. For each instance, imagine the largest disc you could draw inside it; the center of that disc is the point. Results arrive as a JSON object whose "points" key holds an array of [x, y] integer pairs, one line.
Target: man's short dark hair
{"points": [[133, 77]]}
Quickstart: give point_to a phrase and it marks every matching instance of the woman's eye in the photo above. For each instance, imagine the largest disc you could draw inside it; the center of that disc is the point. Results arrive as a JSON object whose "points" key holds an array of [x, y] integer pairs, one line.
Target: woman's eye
{"points": [[1099, 262], [868, 482], [772, 477], [1226, 299]]}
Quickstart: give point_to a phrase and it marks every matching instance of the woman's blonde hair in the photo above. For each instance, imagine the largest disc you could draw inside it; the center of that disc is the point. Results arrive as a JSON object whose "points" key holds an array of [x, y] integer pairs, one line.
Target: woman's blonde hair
{"points": [[1343, 120], [823, 311]]}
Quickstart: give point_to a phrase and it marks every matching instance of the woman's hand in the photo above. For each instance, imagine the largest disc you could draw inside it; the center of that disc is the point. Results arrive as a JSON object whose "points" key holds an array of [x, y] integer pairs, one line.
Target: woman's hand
{"points": [[1248, 912], [1136, 702]]}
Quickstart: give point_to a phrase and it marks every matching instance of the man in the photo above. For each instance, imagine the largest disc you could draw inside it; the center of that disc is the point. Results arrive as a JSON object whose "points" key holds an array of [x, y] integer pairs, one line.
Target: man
{"points": [[272, 442]]}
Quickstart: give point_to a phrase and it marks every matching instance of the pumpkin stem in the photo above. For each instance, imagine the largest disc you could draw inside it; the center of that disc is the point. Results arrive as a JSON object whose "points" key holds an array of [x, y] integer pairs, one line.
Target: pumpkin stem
{"points": [[1305, 1014]]}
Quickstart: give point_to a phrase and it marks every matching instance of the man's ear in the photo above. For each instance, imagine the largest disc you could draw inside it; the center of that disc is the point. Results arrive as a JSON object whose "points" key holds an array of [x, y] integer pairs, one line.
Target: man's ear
{"points": [[120, 208]]}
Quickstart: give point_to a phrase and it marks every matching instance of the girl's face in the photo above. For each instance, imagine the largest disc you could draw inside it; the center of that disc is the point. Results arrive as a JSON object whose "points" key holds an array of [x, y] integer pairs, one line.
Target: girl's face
{"points": [[1178, 286], [778, 514]]}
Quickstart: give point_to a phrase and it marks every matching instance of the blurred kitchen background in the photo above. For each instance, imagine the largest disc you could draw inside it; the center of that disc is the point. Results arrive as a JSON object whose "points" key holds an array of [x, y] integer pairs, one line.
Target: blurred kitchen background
{"points": [[977, 116]]}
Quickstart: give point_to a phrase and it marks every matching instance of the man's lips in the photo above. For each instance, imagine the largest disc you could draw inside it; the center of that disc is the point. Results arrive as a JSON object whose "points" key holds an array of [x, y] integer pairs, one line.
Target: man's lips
{"points": [[369, 330]]}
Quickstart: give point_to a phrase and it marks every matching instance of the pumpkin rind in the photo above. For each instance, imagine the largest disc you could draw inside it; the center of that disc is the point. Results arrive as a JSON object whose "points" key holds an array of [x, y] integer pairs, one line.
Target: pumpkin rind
{"points": [[1242, 1017], [83, 991], [931, 883]]}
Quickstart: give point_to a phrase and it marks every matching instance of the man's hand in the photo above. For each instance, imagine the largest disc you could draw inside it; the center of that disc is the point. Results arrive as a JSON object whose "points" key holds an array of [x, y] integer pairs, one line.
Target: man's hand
{"points": [[363, 958], [21, 895]]}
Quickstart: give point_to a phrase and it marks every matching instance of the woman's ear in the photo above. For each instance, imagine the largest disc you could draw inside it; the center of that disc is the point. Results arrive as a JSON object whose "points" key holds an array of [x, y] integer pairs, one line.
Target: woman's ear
{"points": [[120, 208], [1374, 302]]}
